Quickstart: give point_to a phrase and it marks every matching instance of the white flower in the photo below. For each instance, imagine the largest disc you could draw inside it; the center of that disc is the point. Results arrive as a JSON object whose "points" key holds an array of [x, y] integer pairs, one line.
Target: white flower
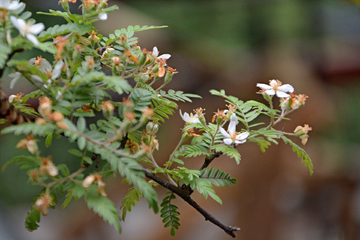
{"points": [[28, 30], [15, 77], [155, 53], [230, 136], [275, 87], [46, 68], [189, 118], [10, 5], [103, 16]]}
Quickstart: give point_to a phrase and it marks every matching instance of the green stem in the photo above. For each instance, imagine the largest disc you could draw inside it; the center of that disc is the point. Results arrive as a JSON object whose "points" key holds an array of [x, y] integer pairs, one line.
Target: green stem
{"points": [[170, 161]]}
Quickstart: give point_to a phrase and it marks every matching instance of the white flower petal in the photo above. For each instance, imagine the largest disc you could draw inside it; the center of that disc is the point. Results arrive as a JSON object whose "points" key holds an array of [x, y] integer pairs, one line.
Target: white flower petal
{"points": [[33, 39], [286, 88], [103, 16], [224, 133], [270, 92], [264, 86], [237, 142], [37, 78], [45, 66], [155, 51], [8, 37], [4, 3], [37, 28], [16, 77], [57, 69], [281, 94], [228, 141], [14, 6], [242, 136], [165, 56], [233, 122], [14, 21]]}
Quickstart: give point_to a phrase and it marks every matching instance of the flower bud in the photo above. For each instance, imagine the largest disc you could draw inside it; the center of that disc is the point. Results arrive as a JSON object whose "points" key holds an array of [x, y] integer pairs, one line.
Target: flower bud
{"points": [[43, 203], [40, 121], [101, 188], [88, 181], [62, 125], [93, 38], [108, 109], [48, 167], [285, 103], [142, 59], [302, 133], [147, 114], [102, 5], [155, 68], [28, 143], [151, 128], [56, 116], [65, 4], [45, 107]]}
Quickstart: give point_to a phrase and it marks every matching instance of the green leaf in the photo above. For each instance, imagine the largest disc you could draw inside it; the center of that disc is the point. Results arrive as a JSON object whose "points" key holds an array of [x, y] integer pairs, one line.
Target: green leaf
{"points": [[130, 169], [5, 50], [228, 150], [169, 213], [75, 152], [32, 219], [81, 142], [218, 177], [204, 187], [48, 140], [29, 128], [137, 28], [68, 198], [130, 199], [78, 191], [63, 169], [301, 153], [24, 161], [104, 208], [58, 30], [81, 124]]}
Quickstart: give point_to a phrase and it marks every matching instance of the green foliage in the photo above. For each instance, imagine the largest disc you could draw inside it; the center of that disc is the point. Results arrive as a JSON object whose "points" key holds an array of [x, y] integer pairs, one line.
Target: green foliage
{"points": [[193, 150], [89, 74], [178, 95], [130, 199], [58, 30], [30, 128], [104, 208], [301, 153], [32, 219], [218, 177], [228, 150], [204, 187], [5, 50], [25, 162], [163, 108], [169, 213]]}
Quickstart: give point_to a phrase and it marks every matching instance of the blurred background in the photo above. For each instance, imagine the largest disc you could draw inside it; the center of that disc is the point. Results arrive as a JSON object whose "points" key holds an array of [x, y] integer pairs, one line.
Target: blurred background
{"points": [[313, 45]]}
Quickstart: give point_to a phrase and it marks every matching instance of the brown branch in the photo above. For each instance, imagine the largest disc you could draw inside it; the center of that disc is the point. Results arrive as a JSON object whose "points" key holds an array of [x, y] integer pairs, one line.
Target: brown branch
{"points": [[209, 159], [207, 162], [10, 55], [186, 197]]}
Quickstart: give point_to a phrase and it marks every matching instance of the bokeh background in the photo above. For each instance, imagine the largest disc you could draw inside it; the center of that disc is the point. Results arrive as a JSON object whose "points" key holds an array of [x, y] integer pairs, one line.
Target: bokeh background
{"points": [[313, 45]]}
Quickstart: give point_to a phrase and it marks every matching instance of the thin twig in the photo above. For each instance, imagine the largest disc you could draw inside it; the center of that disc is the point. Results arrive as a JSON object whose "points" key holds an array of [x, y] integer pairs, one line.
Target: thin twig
{"points": [[209, 159], [186, 197]]}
